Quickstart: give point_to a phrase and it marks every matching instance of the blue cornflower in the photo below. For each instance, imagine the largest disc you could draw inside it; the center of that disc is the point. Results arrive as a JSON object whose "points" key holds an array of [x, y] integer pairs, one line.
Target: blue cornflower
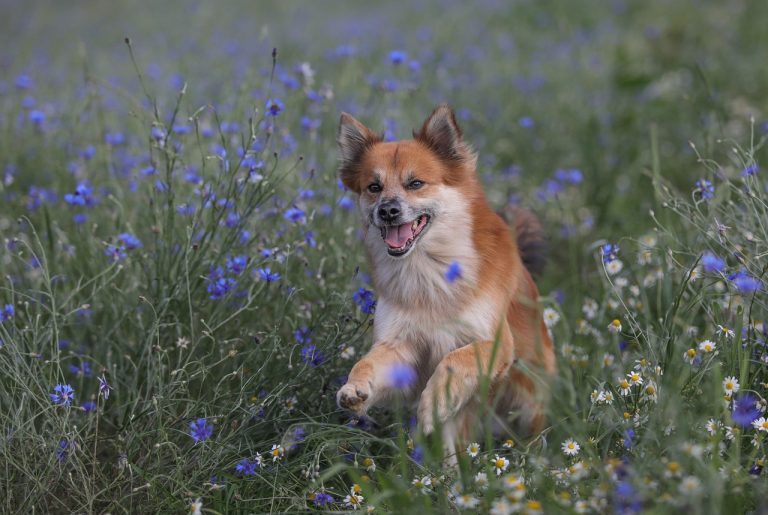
{"points": [[23, 81], [220, 287], [454, 272], [745, 409], [36, 116], [200, 430], [397, 57], [346, 203], [322, 499], [114, 138], [704, 188], [570, 175], [302, 335], [526, 122], [104, 387], [401, 376], [266, 274], [311, 356], [610, 252], [365, 301], [274, 106], [417, 454], [84, 369], [629, 436], [130, 241], [309, 239], [7, 313], [61, 450], [232, 219], [750, 170], [294, 214], [246, 467], [63, 394], [744, 282], [83, 196], [114, 253], [711, 263], [236, 264], [88, 406]]}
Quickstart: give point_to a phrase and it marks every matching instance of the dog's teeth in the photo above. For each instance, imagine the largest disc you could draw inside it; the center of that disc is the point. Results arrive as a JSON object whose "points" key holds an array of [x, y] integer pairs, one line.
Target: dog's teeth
{"points": [[415, 224]]}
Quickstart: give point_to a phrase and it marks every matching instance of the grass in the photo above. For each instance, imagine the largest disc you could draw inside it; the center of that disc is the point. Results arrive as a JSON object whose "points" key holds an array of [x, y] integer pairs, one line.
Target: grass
{"points": [[165, 231]]}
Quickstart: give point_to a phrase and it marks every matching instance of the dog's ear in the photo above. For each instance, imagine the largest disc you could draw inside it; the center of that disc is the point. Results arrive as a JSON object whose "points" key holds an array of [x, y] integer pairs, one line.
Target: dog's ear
{"points": [[442, 135], [354, 140]]}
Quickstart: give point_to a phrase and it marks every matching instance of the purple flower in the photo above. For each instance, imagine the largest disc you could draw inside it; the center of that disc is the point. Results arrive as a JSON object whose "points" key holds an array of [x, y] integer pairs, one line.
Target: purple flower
{"points": [[246, 467], [526, 122], [705, 189], [610, 252], [397, 57], [200, 430], [88, 406], [311, 356], [453, 273], [236, 265], [104, 387], [7, 313], [750, 170], [322, 498], [401, 376], [63, 395], [711, 263], [365, 301], [114, 253], [130, 241], [61, 450], [266, 274], [274, 107], [294, 214], [745, 409], [745, 283], [84, 369], [302, 335]]}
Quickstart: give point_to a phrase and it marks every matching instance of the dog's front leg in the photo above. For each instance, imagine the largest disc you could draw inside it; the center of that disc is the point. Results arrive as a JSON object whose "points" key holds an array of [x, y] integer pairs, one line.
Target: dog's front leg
{"points": [[457, 378], [371, 379]]}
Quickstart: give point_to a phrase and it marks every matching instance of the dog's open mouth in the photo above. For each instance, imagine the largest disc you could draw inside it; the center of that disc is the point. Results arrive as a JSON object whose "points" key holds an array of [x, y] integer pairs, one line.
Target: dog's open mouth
{"points": [[400, 238]]}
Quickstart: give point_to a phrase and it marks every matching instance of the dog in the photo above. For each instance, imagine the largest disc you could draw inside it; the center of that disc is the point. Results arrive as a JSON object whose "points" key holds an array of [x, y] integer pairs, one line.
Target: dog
{"points": [[456, 300]]}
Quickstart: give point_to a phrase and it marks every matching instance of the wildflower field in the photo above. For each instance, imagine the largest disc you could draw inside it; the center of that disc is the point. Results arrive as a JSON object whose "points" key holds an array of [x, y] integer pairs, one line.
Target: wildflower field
{"points": [[183, 287]]}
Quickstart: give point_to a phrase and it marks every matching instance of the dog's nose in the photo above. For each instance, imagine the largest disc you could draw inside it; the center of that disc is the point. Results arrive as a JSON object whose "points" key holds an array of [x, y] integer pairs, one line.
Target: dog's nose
{"points": [[389, 210]]}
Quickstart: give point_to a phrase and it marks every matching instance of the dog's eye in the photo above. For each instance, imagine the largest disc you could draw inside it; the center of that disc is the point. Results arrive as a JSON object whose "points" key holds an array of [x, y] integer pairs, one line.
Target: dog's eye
{"points": [[374, 187], [414, 185]]}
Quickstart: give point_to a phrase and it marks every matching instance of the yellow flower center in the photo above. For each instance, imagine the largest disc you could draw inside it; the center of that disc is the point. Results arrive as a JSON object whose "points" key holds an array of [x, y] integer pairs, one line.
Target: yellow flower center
{"points": [[533, 505], [674, 466], [357, 488], [650, 390], [691, 353], [729, 385], [765, 425], [500, 463], [624, 384], [616, 322]]}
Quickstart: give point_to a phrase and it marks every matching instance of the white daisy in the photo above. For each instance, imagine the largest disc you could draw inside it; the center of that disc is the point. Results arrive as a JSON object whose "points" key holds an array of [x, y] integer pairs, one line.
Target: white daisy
{"points": [[570, 447], [761, 424], [615, 326], [467, 501], [422, 484], [500, 464], [731, 385], [551, 317], [707, 346], [473, 449]]}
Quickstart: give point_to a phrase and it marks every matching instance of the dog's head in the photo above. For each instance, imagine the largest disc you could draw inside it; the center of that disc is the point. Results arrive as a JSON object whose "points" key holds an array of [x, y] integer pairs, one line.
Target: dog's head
{"points": [[407, 187]]}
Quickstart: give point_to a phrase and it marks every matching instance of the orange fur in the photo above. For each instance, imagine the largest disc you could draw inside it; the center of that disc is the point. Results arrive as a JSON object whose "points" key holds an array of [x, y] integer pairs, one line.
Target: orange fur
{"points": [[445, 330]]}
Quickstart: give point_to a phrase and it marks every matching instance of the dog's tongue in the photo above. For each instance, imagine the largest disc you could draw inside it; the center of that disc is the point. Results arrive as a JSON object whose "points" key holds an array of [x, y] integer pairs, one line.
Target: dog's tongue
{"points": [[397, 235]]}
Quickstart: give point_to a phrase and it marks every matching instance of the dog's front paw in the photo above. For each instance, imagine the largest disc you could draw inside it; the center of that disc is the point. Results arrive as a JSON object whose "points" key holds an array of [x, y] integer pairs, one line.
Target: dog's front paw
{"points": [[354, 397], [442, 398]]}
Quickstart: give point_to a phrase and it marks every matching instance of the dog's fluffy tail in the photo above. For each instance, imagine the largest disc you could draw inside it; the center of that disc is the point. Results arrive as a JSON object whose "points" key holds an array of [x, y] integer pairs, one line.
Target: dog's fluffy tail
{"points": [[530, 238]]}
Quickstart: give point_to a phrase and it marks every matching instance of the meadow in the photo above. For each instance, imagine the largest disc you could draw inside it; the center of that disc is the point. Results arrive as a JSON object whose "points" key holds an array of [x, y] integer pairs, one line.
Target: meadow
{"points": [[183, 286]]}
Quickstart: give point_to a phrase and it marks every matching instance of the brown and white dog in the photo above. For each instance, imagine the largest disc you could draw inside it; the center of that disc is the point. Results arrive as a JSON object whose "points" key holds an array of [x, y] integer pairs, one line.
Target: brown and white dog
{"points": [[423, 209]]}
